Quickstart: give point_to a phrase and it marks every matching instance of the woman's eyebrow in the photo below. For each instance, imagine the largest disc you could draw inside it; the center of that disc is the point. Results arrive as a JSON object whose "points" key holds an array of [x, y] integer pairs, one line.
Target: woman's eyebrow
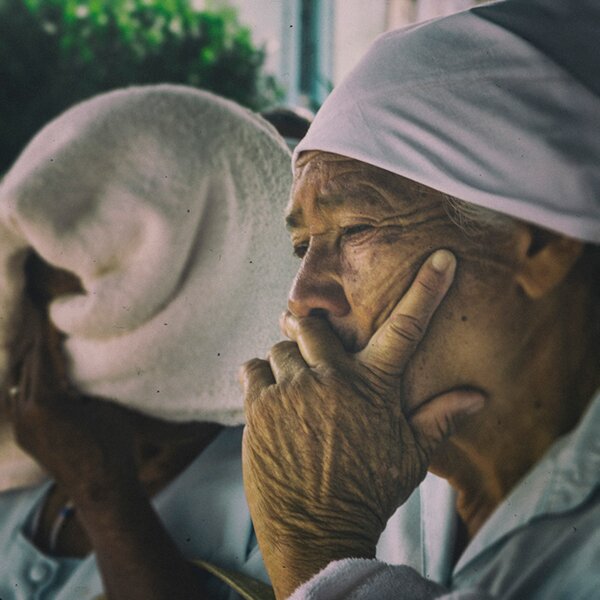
{"points": [[295, 218]]}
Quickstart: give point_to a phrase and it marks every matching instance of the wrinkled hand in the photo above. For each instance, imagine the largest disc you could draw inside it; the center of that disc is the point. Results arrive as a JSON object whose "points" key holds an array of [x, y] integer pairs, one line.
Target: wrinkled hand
{"points": [[84, 443], [328, 452]]}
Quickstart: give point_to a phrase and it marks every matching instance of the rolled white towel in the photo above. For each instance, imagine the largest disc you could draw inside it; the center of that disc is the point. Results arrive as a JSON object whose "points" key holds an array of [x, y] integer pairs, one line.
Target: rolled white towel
{"points": [[167, 203]]}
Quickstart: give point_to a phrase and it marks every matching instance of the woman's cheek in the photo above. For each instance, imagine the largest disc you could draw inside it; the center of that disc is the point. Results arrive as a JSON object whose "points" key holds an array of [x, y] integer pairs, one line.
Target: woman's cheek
{"points": [[375, 278]]}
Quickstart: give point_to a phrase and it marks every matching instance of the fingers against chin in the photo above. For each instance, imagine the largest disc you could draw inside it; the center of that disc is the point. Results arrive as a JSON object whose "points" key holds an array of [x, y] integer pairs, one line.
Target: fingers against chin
{"points": [[393, 344]]}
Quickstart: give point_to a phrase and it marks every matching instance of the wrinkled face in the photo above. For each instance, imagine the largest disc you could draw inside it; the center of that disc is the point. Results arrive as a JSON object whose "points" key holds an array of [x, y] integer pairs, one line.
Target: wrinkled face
{"points": [[362, 233]]}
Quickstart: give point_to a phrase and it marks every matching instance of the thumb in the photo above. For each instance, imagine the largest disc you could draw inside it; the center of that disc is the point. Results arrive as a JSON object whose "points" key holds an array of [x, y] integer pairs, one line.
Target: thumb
{"points": [[437, 419]]}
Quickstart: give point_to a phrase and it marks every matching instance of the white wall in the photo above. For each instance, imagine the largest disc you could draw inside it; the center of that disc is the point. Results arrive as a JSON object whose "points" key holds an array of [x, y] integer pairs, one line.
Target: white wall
{"points": [[274, 25], [428, 9], [348, 27], [356, 24], [264, 18]]}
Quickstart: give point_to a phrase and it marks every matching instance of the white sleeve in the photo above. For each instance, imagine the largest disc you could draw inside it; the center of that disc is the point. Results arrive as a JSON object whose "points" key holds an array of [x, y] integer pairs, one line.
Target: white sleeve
{"points": [[362, 579]]}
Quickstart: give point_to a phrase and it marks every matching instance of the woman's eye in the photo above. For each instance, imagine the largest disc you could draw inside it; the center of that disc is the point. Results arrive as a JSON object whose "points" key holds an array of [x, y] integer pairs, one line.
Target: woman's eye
{"points": [[300, 250], [356, 229]]}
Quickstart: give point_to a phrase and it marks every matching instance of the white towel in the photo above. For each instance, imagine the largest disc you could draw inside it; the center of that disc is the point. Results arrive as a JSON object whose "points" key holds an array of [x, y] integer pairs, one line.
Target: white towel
{"points": [[363, 579], [498, 106], [167, 202]]}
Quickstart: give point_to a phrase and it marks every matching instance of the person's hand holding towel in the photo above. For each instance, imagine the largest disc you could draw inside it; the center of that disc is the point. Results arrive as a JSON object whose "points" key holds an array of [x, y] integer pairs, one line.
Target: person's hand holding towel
{"points": [[85, 443]]}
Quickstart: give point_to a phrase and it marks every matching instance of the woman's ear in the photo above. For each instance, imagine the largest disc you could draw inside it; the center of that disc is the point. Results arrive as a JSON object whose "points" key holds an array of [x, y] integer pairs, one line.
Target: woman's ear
{"points": [[546, 259]]}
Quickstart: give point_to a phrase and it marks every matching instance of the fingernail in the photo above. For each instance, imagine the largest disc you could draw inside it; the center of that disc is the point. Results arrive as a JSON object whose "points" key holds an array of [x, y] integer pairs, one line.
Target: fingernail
{"points": [[474, 402], [442, 260]]}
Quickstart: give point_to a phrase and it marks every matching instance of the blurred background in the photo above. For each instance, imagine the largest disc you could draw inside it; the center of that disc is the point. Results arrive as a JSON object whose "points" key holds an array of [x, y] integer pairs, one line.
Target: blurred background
{"points": [[261, 53]]}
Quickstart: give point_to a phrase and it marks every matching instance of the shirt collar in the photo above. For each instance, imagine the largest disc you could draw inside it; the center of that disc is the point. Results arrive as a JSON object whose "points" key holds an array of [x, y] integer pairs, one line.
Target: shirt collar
{"points": [[562, 480]]}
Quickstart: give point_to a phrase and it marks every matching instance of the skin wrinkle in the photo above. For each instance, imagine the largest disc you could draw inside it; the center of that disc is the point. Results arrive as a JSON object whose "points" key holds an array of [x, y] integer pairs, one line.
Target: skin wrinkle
{"points": [[334, 190], [319, 524], [335, 451], [387, 289], [359, 204]]}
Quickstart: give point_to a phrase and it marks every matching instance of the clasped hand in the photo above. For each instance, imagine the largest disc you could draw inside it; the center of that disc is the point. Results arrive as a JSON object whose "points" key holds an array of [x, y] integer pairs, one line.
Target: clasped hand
{"points": [[85, 443], [329, 452]]}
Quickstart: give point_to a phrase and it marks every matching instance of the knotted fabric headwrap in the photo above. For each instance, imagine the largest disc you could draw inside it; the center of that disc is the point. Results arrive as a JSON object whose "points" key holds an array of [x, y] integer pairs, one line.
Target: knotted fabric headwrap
{"points": [[498, 106], [167, 203]]}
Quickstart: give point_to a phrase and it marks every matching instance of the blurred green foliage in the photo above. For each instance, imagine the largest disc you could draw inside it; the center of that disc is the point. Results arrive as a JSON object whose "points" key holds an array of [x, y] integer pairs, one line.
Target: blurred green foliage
{"points": [[54, 53]]}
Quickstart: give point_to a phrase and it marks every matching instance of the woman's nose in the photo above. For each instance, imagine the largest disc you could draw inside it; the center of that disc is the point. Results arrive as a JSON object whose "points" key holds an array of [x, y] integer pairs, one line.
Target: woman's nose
{"points": [[317, 288]]}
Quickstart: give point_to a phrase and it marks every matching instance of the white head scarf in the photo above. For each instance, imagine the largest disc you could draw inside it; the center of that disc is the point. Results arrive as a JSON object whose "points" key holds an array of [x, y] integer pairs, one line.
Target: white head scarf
{"points": [[498, 106], [166, 202]]}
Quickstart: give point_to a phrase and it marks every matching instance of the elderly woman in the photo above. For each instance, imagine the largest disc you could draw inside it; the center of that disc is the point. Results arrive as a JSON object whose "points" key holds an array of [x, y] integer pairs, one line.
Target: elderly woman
{"points": [[140, 264], [445, 317]]}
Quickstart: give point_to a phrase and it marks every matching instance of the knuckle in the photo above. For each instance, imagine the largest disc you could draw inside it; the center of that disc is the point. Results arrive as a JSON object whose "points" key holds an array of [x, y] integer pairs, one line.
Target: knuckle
{"points": [[309, 326], [377, 378], [288, 346], [429, 285], [407, 327], [282, 348], [250, 366], [248, 371]]}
